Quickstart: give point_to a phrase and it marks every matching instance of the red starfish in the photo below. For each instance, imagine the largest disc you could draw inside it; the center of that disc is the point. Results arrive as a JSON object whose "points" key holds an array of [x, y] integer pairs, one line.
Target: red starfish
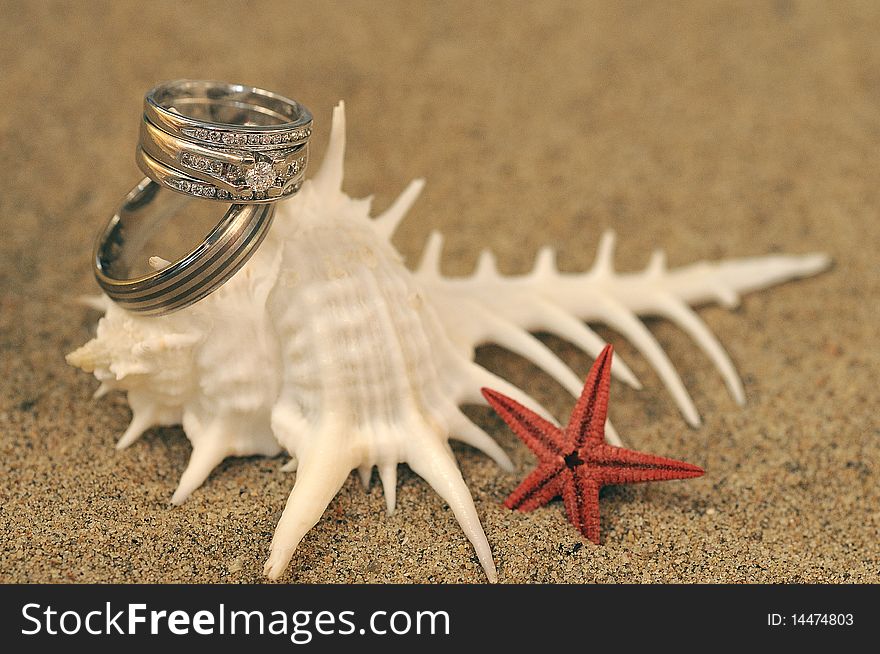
{"points": [[577, 462]]}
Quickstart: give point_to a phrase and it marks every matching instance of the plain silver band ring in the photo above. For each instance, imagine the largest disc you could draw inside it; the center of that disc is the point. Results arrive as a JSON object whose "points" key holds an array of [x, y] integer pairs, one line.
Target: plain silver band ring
{"points": [[207, 267]]}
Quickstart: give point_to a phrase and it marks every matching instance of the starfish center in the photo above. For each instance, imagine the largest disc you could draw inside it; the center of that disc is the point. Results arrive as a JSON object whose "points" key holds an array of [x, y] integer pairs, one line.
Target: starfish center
{"points": [[573, 459]]}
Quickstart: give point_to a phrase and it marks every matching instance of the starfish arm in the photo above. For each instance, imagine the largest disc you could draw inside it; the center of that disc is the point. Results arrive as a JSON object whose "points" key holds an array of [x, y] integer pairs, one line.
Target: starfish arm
{"points": [[542, 437], [542, 485], [587, 421], [580, 494], [618, 465]]}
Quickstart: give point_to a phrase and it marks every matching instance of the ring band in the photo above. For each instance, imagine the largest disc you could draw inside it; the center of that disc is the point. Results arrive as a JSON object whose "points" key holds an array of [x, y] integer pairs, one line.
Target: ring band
{"points": [[219, 114], [227, 176], [223, 252], [224, 142]]}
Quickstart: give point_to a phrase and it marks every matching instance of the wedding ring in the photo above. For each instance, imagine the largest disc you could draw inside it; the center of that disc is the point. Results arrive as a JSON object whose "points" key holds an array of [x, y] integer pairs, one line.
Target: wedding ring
{"points": [[226, 175], [224, 142], [182, 283], [227, 142], [217, 114]]}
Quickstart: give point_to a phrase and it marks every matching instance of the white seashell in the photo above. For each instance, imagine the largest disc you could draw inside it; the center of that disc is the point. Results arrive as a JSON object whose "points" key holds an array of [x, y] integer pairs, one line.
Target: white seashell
{"points": [[326, 346]]}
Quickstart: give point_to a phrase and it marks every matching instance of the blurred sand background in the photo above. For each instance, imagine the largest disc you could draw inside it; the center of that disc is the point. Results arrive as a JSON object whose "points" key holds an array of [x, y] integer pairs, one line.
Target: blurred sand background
{"points": [[709, 129]]}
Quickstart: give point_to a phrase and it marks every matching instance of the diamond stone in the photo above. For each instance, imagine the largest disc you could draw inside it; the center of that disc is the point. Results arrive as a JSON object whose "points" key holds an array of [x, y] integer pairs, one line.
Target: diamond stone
{"points": [[261, 176]]}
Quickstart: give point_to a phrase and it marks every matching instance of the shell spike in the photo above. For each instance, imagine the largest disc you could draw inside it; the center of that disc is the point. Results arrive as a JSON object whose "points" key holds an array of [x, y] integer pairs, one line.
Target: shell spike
{"points": [[619, 318], [291, 465], [321, 474], [365, 473], [388, 475], [462, 429], [545, 263], [656, 265], [604, 264], [479, 378], [433, 462], [208, 452], [386, 224], [487, 266], [102, 390], [430, 264], [328, 179], [141, 421], [679, 313], [726, 296], [611, 435], [565, 326], [517, 340], [738, 276]]}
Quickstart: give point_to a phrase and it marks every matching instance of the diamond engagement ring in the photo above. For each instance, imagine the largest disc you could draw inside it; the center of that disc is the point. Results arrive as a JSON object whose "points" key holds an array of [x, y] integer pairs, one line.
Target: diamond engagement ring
{"points": [[210, 140]]}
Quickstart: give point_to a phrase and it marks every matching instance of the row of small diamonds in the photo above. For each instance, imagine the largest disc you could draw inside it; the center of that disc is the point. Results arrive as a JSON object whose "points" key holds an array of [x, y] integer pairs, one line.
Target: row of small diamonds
{"points": [[201, 163], [193, 188], [233, 138], [210, 191]]}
